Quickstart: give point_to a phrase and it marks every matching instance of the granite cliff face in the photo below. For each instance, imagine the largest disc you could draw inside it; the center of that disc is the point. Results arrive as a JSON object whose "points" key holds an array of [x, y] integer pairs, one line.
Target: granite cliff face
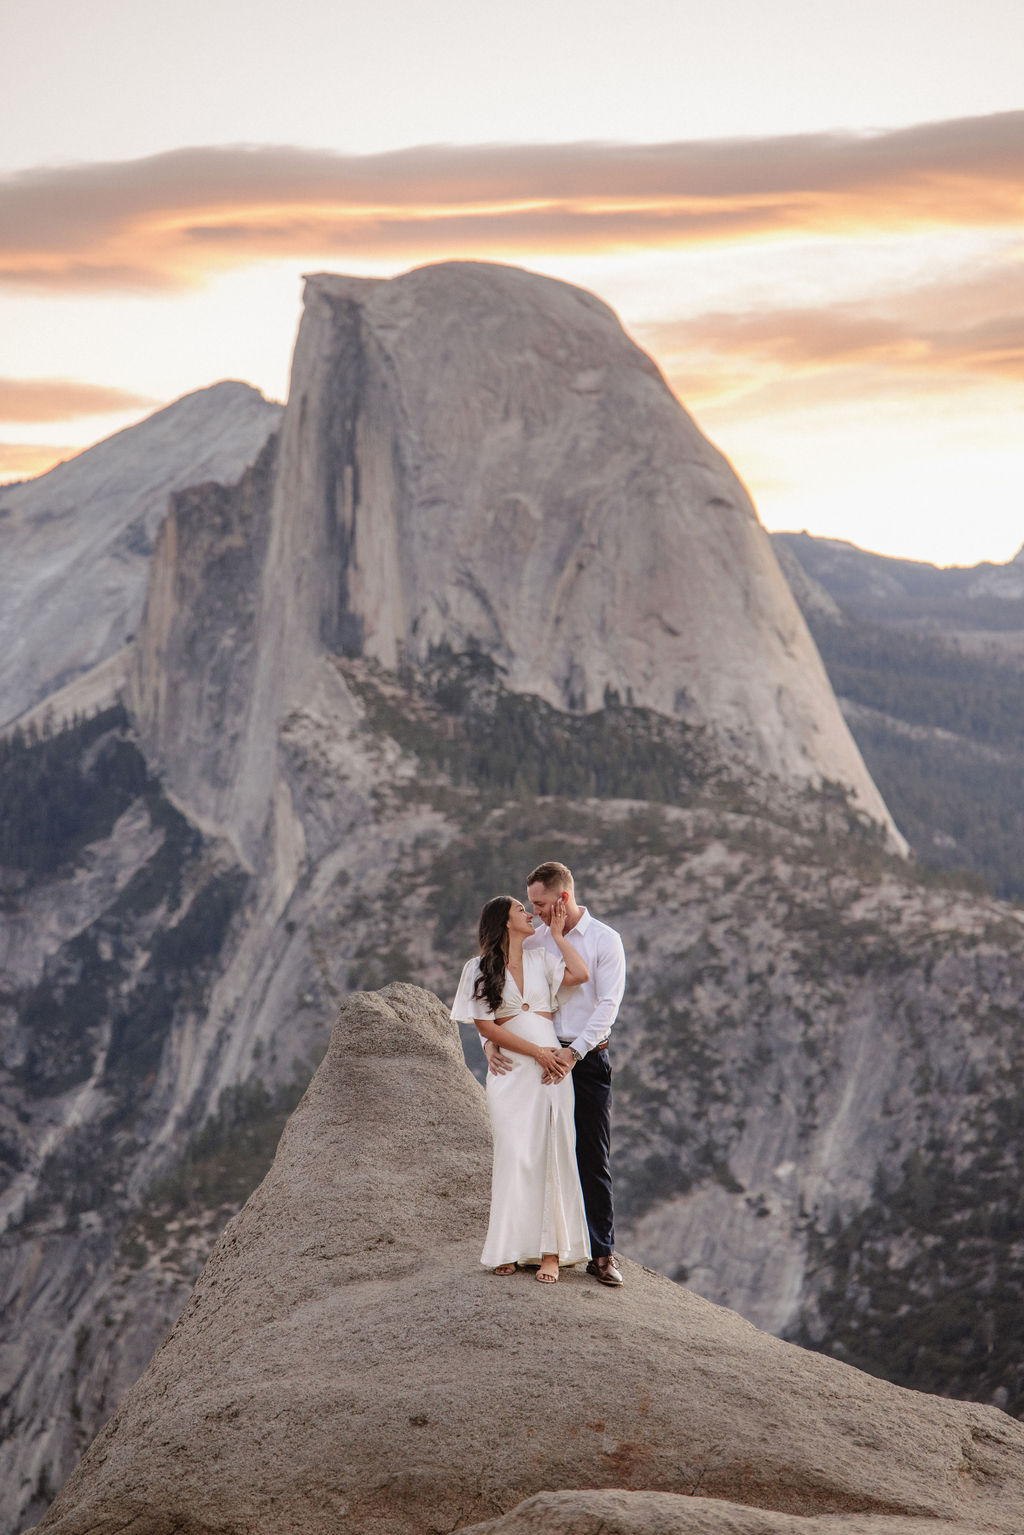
{"points": [[193, 663], [358, 743], [477, 458]]}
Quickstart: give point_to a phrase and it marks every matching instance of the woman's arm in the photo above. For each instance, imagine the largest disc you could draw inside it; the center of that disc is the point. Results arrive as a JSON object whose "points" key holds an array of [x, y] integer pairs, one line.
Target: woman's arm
{"points": [[576, 971], [506, 1040]]}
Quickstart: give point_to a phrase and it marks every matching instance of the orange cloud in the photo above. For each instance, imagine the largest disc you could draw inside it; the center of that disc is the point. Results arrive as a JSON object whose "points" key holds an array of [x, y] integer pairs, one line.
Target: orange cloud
{"points": [[168, 220], [24, 460], [62, 399], [935, 336]]}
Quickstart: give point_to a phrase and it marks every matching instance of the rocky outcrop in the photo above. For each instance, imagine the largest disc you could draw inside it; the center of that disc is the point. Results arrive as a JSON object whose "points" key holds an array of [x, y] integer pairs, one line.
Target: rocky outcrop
{"points": [[615, 1512], [77, 542], [344, 1359]]}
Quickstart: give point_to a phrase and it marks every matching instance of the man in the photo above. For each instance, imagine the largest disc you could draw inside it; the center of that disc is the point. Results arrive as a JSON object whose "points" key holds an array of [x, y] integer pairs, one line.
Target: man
{"points": [[584, 1020]]}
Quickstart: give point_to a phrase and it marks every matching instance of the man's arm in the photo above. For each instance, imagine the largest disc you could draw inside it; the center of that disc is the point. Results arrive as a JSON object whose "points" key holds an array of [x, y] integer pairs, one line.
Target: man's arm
{"points": [[496, 1061], [500, 1035], [610, 981]]}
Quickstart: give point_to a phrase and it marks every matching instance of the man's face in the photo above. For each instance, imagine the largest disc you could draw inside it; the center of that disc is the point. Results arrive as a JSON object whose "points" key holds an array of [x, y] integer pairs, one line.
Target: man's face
{"points": [[543, 901]]}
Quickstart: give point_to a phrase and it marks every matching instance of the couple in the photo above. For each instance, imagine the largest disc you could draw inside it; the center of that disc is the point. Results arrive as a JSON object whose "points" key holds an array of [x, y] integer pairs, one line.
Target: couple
{"points": [[549, 1078]]}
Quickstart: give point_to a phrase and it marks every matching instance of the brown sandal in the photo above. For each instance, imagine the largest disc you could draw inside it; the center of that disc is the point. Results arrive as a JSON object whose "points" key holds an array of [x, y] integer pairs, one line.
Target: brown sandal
{"points": [[505, 1268]]}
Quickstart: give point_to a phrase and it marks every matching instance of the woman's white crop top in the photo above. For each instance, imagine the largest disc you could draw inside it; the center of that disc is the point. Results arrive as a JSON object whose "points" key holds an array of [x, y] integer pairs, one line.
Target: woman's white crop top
{"points": [[542, 976]]}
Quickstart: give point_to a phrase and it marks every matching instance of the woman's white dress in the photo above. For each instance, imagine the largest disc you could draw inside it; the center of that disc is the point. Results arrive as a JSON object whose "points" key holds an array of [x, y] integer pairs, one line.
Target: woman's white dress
{"points": [[536, 1199]]}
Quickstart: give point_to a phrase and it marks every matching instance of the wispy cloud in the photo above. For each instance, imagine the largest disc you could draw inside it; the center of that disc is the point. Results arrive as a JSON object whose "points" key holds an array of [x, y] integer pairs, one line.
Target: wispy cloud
{"points": [[61, 399], [937, 335], [169, 220]]}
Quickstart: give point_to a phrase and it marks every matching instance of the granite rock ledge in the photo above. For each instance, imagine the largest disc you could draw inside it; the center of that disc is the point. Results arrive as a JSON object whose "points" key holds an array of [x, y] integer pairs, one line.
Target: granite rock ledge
{"points": [[344, 1358]]}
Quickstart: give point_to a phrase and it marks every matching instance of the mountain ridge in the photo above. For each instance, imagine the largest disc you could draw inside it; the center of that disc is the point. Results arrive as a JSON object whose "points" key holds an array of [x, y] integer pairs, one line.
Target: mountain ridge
{"points": [[77, 540]]}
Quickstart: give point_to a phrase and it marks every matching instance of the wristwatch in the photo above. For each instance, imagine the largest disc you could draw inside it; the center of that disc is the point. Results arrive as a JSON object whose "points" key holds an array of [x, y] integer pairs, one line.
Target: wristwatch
{"points": [[575, 1052]]}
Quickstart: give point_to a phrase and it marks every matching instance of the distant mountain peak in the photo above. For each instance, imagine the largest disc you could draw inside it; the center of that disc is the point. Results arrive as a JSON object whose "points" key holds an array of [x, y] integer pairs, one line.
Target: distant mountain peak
{"points": [[76, 542]]}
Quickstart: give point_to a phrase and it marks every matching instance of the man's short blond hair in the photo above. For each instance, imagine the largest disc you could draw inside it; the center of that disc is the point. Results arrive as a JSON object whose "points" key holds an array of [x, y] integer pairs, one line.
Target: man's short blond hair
{"points": [[553, 876]]}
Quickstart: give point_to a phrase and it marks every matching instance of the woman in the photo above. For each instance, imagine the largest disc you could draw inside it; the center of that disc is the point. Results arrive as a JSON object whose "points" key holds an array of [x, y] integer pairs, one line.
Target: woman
{"points": [[537, 1213]]}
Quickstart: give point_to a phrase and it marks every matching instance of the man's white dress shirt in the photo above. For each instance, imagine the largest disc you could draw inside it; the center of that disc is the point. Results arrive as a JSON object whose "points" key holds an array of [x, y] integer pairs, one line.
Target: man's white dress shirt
{"points": [[586, 1013]]}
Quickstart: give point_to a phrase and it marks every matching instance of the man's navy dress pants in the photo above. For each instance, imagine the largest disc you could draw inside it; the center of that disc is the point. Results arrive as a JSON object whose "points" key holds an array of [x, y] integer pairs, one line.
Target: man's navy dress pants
{"points": [[592, 1084]]}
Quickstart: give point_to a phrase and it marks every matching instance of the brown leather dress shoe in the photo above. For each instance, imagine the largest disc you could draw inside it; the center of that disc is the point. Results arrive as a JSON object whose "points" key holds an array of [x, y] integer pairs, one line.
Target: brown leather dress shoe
{"points": [[604, 1270]]}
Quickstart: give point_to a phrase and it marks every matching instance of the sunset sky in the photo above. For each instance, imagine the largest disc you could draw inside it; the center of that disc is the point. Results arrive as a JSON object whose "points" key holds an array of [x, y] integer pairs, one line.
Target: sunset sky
{"points": [[811, 213]]}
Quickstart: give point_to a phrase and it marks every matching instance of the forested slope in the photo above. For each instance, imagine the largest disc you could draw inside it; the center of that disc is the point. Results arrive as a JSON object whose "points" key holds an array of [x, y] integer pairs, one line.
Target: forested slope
{"points": [[929, 667]]}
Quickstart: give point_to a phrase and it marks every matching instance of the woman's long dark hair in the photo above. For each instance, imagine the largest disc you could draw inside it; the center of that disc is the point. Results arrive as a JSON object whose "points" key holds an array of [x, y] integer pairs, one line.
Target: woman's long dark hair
{"points": [[490, 983]]}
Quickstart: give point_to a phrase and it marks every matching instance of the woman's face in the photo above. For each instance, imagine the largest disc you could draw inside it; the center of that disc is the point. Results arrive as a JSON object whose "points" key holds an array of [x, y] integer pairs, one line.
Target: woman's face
{"points": [[519, 920]]}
